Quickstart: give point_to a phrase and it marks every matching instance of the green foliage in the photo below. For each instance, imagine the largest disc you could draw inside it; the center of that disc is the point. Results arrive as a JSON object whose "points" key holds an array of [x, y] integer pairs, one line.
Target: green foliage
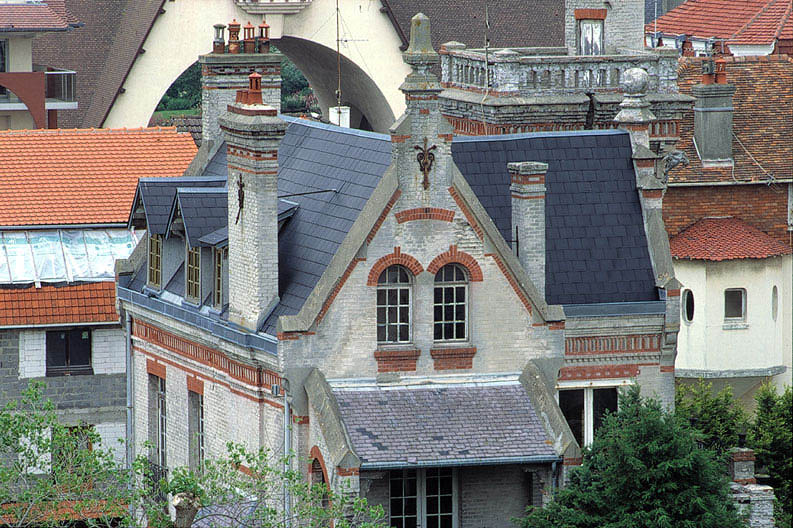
{"points": [[771, 437], [717, 416], [292, 79], [645, 469], [185, 92]]}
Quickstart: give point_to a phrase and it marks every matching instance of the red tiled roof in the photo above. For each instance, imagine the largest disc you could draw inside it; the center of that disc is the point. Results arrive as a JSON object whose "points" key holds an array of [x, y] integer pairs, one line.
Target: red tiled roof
{"points": [[740, 21], [93, 302], [71, 177], [762, 121], [724, 239], [45, 16]]}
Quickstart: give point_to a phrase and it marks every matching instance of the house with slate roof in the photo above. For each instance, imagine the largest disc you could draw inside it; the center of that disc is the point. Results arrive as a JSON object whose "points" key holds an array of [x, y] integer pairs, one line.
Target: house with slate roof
{"points": [[64, 200], [438, 322], [729, 214]]}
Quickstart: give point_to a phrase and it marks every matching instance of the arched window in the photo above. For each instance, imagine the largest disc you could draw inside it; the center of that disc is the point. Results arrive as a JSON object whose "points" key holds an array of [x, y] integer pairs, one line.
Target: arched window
{"points": [[451, 303], [318, 478], [393, 305]]}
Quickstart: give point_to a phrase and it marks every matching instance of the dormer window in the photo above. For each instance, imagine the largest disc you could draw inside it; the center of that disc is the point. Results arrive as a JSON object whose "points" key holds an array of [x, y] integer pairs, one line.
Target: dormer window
{"points": [[451, 303], [217, 295], [193, 290], [393, 305], [155, 262]]}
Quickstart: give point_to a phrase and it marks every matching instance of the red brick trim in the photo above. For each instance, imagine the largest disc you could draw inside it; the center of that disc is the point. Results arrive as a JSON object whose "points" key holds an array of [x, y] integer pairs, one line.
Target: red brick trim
{"points": [[347, 472], [424, 213], [743, 456], [644, 163], [573, 461], [383, 215], [591, 14], [453, 358], [271, 155], [395, 258], [468, 215], [300, 420], [512, 282], [652, 193], [395, 138], [556, 325], [154, 368], [668, 368], [396, 360], [591, 345], [458, 257], [256, 376], [337, 288], [673, 293], [195, 385], [599, 372], [745, 481], [526, 179], [316, 454]]}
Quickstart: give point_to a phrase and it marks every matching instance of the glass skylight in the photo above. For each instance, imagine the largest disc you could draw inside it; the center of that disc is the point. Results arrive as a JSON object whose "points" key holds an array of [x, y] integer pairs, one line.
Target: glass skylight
{"points": [[63, 255]]}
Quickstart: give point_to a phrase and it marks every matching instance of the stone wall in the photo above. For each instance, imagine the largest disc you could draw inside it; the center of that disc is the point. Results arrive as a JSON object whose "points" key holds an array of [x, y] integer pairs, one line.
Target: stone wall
{"points": [[623, 27]]}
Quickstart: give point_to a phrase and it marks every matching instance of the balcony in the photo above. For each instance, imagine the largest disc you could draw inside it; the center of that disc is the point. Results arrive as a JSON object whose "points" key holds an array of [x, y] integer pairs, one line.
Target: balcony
{"points": [[60, 88], [525, 72]]}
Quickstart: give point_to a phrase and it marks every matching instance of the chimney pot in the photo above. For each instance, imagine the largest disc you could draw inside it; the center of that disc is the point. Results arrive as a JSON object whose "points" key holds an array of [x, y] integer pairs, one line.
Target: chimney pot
{"points": [[721, 71], [219, 44], [234, 36], [249, 43], [263, 44]]}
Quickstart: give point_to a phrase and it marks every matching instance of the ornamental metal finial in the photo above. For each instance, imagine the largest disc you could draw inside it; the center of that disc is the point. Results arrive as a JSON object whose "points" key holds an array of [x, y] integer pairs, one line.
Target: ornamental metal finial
{"points": [[425, 158], [240, 197]]}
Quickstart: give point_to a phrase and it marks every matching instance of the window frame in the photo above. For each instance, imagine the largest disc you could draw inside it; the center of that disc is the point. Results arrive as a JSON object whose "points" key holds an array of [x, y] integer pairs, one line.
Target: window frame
{"points": [[86, 369], [588, 386], [217, 278], [742, 317], [154, 276], [421, 494], [580, 23], [398, 286], [197, 437], [442, 285], [192, 274], [160, 447], [684, 306]]}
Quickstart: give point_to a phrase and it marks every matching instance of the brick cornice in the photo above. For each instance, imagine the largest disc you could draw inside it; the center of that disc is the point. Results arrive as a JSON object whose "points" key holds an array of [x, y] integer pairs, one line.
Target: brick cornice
{"points": [[459, 257], [395, 258], [590, 14], [424, 213]]}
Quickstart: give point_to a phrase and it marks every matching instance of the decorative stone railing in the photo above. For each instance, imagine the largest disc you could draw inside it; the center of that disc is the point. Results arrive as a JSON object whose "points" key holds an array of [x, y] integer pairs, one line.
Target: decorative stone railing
{"points": [[549, 71], [276, 7]]}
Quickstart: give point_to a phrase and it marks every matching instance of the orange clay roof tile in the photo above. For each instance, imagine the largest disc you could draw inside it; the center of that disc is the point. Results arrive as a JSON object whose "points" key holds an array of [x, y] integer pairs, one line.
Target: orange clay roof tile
{"points": [[724, 239], [71, 304], [83, 176]]}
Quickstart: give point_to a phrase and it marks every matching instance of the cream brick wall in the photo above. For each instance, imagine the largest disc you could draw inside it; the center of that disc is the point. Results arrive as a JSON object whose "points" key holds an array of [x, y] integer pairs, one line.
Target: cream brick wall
{"points": [[113, 435], [623, 28], [32, 354], [108, 351]]}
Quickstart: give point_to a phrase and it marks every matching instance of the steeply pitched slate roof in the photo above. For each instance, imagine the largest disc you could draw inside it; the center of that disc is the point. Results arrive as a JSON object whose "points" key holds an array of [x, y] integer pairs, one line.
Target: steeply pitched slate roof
{"points": [[392, 427], [203, 212], [50, 15], [158, 194], [724, 239], [69, 177], [93, 302], [741, 22], [596, 247], [763, 94]]}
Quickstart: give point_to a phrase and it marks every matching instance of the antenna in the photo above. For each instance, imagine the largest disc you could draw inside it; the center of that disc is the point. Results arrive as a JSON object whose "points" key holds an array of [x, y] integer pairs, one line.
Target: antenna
{"points": [[338, 61], [486, 91]]}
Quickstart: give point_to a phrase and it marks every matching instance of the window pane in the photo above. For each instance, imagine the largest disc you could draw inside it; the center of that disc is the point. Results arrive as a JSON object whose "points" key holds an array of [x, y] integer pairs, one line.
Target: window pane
{"points": [[432, 485], [79, 347], [403, 296], [403, 314], [396, 507], [392, 296], [448, 313], [432, 505], [461, 294], [459, 312], [381, 297], [448, 295], [604, 400], [392, 314], [383, 278], [446, 488], [403, 333], [381, 316], [733, 303], [448, 329], [438, 332], [438, 310], [381, 333], [446, 521], [438, 295], [410, 506], [460, 329], [392, 333], [56, 349], [446, 503], [572, 404], [410, 486], [432, 522]]}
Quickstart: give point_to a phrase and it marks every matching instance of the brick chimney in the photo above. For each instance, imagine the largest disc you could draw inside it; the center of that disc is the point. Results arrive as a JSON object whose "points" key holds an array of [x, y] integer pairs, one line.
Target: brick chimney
{"points": [[253, 132], [223, 74], [713, 115], [527, 186]]}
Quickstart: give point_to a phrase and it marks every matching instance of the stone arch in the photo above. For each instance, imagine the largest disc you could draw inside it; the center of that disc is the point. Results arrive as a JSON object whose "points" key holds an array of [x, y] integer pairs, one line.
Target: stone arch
{"points": [[315, 455], [29, 88], [398, 258], [458, 257]]}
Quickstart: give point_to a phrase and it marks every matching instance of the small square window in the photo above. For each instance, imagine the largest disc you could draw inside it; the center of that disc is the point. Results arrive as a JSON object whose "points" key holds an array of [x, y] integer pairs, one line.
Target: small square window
{"points": [[735, 304], [69, 352]]}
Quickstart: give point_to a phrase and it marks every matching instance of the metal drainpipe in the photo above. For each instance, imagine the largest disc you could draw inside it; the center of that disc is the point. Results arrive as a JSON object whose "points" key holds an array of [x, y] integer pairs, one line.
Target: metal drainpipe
{"points": [[287, 452], [130, 398]]}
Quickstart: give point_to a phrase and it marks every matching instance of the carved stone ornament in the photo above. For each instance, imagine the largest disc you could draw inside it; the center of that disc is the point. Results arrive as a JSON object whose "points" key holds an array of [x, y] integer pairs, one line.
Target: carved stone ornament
{"points": [[671, 160], [240, 197], [425, 158]]}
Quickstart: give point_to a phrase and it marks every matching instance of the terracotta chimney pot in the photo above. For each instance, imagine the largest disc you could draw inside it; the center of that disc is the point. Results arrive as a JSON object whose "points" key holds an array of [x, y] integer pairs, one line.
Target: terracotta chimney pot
{"points": [[234, 36]]}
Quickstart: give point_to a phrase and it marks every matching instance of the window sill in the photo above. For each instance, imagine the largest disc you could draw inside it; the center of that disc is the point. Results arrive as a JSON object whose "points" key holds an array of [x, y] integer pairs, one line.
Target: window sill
{"points": [[396, 358], [735, 325], [79, 371]]}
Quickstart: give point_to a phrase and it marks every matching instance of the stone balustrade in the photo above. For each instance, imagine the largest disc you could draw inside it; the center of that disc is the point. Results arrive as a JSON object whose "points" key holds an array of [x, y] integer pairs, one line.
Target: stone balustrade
{"points": [[550, 71], [273, 7]]}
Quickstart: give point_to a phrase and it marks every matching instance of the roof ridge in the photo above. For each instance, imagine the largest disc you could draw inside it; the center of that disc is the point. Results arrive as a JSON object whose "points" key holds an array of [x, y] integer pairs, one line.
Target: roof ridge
{"points": [[784, 21], [64, 131], [754, 18]]}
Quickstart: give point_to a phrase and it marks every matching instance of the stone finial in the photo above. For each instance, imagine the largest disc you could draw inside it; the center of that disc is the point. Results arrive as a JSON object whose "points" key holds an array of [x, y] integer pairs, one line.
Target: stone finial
{"points": [[634, 108], [635, 81], [420, 50]]}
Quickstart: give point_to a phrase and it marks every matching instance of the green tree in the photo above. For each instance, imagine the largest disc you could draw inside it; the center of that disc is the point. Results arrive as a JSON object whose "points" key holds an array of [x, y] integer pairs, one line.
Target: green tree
{"points": [[185, 92], [645, 469], [717, 416], [771, 437]]}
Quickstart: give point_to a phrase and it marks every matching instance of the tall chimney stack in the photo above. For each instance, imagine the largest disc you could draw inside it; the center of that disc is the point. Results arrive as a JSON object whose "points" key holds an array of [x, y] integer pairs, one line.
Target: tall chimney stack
{"points": [[713, 115], [527, 187], [253, 132]]}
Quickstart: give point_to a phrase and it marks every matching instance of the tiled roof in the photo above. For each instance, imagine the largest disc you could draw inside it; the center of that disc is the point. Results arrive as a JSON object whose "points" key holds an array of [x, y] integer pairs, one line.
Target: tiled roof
{"points": [[406, 426], [763, 95], [39, 16], [70, 177], [69, 304], [741, 21], [190, 124], [203, 212], [724, 239], [157, 196]]}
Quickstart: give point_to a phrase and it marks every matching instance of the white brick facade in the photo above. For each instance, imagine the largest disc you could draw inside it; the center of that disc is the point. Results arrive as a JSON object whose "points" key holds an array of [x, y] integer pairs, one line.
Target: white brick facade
{"points": [[32, 354], [113, 436], [108, 351]]}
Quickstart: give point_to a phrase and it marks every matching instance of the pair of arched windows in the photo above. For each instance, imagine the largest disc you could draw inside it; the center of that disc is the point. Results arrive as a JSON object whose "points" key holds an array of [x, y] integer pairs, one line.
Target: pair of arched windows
{"points": [[395, 307]]}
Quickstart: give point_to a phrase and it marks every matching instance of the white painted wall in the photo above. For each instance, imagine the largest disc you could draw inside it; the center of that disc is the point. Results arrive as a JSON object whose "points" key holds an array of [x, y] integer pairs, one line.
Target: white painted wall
{"points": [[107, 351], [708, 344], [20, 54], [111, 433], [32, 354]]}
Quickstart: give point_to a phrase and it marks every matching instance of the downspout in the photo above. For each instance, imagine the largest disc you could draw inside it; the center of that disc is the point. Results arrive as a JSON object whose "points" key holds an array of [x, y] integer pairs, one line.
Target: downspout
{"points": [[287, 455], [130, 398]]}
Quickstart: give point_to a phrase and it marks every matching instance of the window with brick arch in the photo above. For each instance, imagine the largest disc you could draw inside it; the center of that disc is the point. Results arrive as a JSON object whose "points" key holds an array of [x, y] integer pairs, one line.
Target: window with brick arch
{"points": [[394, 305], [451, 303], [318, 478]]}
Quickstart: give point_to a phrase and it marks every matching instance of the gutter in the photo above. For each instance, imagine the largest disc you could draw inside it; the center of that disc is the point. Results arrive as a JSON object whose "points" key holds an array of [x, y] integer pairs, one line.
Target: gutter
{"points": [[34, 227], [458, 462], [390, 14], [60, 325]]}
